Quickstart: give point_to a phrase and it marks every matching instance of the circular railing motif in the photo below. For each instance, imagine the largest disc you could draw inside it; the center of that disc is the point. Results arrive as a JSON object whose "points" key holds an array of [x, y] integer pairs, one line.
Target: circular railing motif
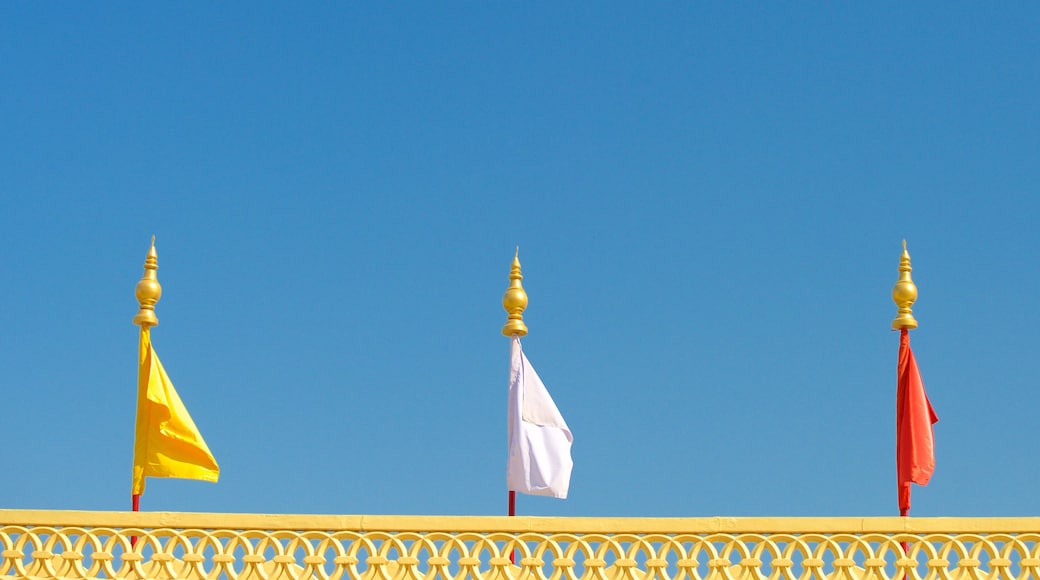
{"points": [[78, 552]]}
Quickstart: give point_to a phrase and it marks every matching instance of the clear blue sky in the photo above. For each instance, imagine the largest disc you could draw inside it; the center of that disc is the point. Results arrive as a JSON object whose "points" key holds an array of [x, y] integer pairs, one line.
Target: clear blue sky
{"points": [[709, 200]]}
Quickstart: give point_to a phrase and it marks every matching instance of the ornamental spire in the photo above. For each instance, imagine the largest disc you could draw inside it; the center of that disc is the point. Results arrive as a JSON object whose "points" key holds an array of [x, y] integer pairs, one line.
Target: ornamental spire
{"points": [[515, 300], [904, 294], [148, 290]]}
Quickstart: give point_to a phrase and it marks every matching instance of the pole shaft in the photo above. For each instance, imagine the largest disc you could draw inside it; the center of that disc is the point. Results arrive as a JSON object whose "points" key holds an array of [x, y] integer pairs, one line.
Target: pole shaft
{"points": [[135, 505], [512, 512]]}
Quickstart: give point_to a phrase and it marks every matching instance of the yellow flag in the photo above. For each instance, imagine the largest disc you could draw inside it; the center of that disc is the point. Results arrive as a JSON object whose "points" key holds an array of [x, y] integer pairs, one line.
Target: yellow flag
{"points": [[167, 443]]}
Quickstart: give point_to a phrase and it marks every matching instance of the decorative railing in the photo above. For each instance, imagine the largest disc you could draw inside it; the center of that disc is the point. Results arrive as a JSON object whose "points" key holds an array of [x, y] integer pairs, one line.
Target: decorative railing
{"points": [[123, 545]]}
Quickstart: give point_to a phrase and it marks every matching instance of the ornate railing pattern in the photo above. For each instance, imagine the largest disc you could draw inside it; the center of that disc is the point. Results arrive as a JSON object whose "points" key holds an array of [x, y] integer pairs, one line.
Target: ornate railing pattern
{"points": [[133, 546]]}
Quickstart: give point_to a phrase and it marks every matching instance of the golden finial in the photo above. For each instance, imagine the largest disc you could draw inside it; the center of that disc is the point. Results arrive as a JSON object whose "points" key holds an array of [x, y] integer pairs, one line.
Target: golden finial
{"points": [[148, 290], [904, 293], [515, 300]]}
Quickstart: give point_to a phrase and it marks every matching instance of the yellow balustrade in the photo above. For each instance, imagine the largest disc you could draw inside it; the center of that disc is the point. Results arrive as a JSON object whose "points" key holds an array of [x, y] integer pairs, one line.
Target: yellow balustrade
{"points": [[64, 544]]}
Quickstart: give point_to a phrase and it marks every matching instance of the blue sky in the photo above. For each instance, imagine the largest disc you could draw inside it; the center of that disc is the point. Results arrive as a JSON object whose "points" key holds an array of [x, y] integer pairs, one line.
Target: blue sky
{"points": [[709, 200]]}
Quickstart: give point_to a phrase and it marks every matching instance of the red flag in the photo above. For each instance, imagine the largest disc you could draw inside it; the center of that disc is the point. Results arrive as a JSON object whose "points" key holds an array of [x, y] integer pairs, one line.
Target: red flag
{"points": [[915, 440]]}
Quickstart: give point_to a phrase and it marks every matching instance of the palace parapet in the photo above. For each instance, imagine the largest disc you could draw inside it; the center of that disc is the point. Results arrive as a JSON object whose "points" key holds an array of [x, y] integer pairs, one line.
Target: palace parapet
{"points": [[198, 546]]}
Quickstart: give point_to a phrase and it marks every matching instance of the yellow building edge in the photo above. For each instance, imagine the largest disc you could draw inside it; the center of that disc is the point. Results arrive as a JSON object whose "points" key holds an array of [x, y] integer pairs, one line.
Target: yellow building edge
{"points": [[521, 524]]}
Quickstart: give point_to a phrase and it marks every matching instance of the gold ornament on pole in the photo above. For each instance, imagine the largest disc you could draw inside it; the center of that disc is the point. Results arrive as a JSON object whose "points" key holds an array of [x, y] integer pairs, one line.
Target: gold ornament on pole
{"points": [[148, 291], [515, 301], [904, 294]]}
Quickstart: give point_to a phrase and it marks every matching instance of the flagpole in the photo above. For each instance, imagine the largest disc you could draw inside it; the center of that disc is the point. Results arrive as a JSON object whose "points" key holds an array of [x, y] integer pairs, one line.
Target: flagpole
{"points": [[904, 335], [148, 292], [514, 301], [904, 294]]}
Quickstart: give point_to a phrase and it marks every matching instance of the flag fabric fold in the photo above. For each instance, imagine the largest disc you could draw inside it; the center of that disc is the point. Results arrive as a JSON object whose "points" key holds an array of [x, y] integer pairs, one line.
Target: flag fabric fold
{"points": [[167, 443], [539, 439], [915, 439]]}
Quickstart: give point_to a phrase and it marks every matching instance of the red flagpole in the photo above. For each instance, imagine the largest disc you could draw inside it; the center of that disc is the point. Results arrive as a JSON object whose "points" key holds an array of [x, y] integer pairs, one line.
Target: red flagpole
{"points": [[904, 294], [135, 505], [915, 452], [514, 302], [903, 511], [512, 512]]}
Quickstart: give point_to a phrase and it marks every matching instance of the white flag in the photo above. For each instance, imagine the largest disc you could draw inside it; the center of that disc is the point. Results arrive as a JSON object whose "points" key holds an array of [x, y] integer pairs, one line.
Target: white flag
{"points": [[539, 440]]}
